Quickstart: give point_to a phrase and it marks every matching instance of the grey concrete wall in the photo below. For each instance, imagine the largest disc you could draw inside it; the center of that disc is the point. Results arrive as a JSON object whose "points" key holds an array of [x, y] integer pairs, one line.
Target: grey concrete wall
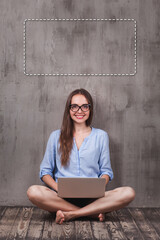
{"points": [[127, 107]]}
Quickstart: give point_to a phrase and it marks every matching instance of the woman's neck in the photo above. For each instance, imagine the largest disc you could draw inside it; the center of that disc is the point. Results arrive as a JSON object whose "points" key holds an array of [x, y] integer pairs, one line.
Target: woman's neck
{"points": [[81, 128]]}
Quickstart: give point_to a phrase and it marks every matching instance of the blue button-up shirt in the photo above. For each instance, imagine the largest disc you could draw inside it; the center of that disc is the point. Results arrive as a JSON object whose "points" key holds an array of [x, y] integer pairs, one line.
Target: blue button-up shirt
{"points": [[91, 160]]}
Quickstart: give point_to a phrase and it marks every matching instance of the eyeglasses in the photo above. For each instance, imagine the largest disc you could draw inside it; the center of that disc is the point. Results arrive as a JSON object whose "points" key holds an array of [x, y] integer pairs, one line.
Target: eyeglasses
{"points": [[84, 107]]}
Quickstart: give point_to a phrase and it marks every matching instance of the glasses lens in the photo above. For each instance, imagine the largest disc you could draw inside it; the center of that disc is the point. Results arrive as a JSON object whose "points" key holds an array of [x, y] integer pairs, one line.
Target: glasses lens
{"points": [[85, 107], [74, 107]]}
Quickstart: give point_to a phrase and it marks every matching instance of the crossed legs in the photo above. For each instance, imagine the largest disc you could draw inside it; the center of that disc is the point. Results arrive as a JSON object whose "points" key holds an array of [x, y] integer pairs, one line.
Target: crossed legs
{"points": [[47, 199]]}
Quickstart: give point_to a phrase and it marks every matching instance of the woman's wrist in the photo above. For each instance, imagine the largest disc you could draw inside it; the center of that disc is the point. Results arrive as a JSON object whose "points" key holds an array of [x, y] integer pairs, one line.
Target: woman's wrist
{"points": [[50, 182]]}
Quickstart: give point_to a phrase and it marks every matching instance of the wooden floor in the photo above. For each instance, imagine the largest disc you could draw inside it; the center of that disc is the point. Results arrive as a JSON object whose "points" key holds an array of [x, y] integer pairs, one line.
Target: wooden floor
{"points": [[32, 223]]}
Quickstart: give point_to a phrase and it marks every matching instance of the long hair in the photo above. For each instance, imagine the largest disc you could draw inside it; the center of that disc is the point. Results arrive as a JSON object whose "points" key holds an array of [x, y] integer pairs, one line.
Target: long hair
{"points": [[66, 136]]}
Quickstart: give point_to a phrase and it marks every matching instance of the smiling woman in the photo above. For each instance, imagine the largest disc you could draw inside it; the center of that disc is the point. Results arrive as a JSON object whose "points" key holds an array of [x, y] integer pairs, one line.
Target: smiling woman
{"points": [[77, 150]]}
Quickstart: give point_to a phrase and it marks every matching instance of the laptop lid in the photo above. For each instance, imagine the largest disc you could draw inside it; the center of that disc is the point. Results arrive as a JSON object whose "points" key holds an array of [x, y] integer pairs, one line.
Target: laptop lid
{"points": [[81, 187]]}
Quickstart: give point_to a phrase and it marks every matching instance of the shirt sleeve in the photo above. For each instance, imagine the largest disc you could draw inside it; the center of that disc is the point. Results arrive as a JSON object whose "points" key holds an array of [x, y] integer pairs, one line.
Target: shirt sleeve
{"points": [[48, 162], [104, 162]]}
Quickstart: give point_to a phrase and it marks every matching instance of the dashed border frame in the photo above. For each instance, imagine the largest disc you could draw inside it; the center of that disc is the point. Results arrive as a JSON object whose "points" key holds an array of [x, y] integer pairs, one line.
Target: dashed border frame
{"points": [[79, 74]]}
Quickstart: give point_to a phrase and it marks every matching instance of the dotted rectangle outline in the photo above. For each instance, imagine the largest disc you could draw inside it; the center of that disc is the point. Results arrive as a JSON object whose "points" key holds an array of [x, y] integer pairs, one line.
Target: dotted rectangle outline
{"points": [[79, 74]]}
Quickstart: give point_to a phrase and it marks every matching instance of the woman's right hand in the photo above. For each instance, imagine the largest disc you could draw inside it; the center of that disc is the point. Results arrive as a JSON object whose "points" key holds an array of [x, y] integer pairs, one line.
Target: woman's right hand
{"points": [[50, 182]]}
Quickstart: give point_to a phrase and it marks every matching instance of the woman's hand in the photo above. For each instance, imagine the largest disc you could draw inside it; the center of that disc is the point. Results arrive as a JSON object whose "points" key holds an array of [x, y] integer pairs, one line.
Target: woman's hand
{"points": [[106, 177], [50, 182]]}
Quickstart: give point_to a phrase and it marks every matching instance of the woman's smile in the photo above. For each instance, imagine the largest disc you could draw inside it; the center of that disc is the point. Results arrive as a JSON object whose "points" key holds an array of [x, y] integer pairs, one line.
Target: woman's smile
{"points": [[79, 116]]}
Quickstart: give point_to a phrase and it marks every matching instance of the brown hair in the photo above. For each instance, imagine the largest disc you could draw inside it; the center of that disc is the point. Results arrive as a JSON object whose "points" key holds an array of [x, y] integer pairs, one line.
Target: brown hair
{"points": [[66, 136]]}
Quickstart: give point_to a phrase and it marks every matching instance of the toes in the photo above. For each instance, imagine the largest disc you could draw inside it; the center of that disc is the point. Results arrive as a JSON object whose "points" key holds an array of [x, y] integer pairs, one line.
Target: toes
{"points": [[61, 221], [101, 217], [59, 217]]}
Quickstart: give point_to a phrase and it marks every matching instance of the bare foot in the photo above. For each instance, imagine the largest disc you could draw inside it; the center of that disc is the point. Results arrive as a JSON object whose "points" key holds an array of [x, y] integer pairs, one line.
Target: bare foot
{"points": [[64, 216], [101, 217], [59, 217]]}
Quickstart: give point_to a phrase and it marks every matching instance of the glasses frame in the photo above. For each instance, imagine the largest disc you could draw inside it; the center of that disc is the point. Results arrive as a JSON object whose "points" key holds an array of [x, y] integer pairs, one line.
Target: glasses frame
{"points": [[80, 107]]}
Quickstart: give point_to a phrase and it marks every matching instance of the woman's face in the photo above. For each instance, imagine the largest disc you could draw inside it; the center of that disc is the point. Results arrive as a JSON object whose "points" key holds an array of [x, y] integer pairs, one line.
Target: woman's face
{"points": [[79, 116]]}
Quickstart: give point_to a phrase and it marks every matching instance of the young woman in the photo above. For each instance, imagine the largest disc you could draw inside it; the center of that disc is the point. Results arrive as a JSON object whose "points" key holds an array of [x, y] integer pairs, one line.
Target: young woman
{"points": [[77, 150]]}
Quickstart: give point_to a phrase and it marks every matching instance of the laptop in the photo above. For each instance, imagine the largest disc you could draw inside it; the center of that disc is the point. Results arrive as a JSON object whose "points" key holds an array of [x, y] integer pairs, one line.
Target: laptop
{"points": [[81, 187]]}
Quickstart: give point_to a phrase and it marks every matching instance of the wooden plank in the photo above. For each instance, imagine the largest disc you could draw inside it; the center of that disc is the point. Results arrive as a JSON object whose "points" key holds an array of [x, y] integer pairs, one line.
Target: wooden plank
{"points": [[36, 225], [143, 224], [47, 230], [2, 211], [114, 228], [127, 222], [157, 210], [154, 217], [64, 231], [7, 221], [13, 233], [99, 230], [83, 230], [55, 231], [24, 222], [69, 230]]}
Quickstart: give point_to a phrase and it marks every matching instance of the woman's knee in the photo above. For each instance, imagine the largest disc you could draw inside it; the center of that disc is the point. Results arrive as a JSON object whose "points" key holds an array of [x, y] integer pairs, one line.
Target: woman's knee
{"points": [[33, 192], [128, 194]]}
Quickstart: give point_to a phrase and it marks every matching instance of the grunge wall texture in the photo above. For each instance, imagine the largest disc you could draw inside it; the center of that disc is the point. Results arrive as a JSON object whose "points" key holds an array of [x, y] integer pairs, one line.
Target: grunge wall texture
{"points": [[126, 106]]}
